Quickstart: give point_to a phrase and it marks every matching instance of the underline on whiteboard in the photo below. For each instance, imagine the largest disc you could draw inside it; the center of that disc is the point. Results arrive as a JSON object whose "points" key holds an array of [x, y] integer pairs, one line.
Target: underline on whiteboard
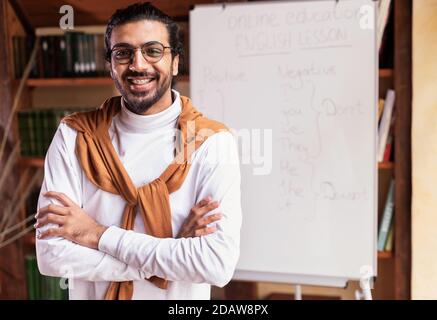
{"points": [[327, 47], [263, 54]]}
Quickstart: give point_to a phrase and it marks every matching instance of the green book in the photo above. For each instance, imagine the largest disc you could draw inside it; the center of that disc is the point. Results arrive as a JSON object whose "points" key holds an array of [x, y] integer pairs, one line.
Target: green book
{"points": [[23, 129], [51, 289], [386, 217], [33, 279], [39, 143], [45, 287], [51, 125], [31, 130], [57, 119], [44, 116], [389, 243]]}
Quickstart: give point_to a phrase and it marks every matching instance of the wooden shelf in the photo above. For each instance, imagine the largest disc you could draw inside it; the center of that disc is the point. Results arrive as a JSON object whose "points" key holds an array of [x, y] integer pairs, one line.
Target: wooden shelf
{"points": [[77, 82], [29, 238], [59, 82], [31, 162], [385, 165], [385, 73], [385, 254], [183, 78]]}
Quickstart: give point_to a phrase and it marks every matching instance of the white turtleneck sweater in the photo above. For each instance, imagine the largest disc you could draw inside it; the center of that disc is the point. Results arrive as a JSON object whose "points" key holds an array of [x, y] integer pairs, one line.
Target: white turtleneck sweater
{"points": [[145, 145]]}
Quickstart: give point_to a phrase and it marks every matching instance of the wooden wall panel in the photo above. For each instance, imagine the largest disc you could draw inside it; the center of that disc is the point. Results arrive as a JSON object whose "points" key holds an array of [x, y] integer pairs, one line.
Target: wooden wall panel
{"points": [[43, 13], [12, 271], [403, 88]]}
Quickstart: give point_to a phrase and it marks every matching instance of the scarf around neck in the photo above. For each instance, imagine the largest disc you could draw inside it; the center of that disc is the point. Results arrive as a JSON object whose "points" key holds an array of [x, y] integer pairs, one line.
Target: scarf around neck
{"points": [[102, 166]]}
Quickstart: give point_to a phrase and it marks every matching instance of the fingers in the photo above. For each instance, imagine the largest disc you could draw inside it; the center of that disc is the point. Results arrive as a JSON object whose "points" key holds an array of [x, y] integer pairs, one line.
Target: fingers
{"points": [[196, 220], [202, 228], [50, 218], [51, 208], [200, 212], [52, 232], [61, 197], [197, 213], [204, 202], [204, 231], [209, 219]]}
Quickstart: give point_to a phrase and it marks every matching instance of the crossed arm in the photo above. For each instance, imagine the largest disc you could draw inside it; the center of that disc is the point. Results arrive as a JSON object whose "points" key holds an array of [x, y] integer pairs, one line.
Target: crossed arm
{"points": [[74, 224], [113, 254]]}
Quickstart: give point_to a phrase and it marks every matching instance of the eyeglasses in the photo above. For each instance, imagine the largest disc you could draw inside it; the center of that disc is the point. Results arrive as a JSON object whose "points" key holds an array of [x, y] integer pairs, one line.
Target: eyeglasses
{"points": [[152, 51]]}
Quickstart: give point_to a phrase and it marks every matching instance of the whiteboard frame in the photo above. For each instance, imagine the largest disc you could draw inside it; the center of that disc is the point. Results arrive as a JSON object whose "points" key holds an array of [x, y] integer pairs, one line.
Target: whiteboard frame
{"points": [[301, 279], [305, 279]]}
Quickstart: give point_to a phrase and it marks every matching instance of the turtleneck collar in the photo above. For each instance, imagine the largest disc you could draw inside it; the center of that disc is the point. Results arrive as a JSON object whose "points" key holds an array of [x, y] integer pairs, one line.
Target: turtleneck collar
{"points": [[135, 123]]}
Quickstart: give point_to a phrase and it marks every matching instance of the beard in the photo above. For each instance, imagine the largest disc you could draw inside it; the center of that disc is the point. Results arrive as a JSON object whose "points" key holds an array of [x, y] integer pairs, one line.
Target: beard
{"points": [[140, 101]]}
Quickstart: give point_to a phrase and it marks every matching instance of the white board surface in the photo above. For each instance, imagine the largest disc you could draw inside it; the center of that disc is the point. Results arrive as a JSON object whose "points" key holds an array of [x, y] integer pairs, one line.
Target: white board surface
{"points": [[300, 76]]}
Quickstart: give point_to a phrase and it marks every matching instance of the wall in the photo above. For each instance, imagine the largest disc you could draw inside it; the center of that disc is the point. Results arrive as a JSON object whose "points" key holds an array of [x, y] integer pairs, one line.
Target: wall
{"points": [[424, 151]]}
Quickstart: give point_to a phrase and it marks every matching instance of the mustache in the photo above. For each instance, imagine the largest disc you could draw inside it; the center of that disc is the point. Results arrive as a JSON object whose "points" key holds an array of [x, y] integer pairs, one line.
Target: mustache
{"points": [[141, 74]]}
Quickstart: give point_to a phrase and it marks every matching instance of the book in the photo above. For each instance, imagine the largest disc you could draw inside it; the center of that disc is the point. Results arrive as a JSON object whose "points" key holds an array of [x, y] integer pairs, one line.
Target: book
{"points": [[384, 126], [33, 279], [380, 108], [72, 54], [388, 147], [386, 218], [389, 242], [40, 287], [37, 128], [45, 54], [38, 125], [24, 132], [46, 134], [382, 19], [31, 133]]}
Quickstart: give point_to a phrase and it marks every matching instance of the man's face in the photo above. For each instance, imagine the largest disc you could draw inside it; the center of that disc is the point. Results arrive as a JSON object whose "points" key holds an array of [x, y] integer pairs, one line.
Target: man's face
{"points": [[141, 83]]}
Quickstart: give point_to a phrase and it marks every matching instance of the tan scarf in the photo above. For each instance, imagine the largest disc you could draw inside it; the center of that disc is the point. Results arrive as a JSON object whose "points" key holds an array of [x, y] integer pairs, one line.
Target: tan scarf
{"points": [[102, 166]]}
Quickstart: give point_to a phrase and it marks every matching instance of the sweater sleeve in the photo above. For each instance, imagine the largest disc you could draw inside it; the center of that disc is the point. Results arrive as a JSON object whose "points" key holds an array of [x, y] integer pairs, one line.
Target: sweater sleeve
{"points": [[209, 259], [57, 256]]}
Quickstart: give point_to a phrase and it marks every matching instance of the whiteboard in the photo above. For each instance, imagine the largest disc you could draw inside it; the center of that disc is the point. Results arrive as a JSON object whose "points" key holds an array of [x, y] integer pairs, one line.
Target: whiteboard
{"points": [[297, 82]]}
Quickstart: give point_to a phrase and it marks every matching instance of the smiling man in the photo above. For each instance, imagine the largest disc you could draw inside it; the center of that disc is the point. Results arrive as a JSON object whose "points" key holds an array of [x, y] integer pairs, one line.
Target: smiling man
{"points": [[125, 209]]}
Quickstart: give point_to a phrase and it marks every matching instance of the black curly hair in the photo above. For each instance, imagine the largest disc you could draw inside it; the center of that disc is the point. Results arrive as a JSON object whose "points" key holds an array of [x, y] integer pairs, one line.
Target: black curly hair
{"points": [[144, 11]]}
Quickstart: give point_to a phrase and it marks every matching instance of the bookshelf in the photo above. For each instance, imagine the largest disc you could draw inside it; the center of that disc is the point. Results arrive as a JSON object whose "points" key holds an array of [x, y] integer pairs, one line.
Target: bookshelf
{"points": [[385, 255], [29, 239], [59, 82], [385, 73], [396, 264], [395, 267], [402, 167], [21, 18], [385, 165], [77, 82], [31, 162]]}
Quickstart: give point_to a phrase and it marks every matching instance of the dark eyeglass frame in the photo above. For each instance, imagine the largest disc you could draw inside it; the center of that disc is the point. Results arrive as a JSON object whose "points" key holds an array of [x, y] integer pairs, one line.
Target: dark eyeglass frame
{"points": [[143, 52]]}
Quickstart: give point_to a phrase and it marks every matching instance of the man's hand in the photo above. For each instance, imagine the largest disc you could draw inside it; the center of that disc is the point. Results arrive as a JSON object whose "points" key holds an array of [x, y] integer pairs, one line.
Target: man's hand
{"points": [[196, 224], [74, 224], [77, 226]]}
